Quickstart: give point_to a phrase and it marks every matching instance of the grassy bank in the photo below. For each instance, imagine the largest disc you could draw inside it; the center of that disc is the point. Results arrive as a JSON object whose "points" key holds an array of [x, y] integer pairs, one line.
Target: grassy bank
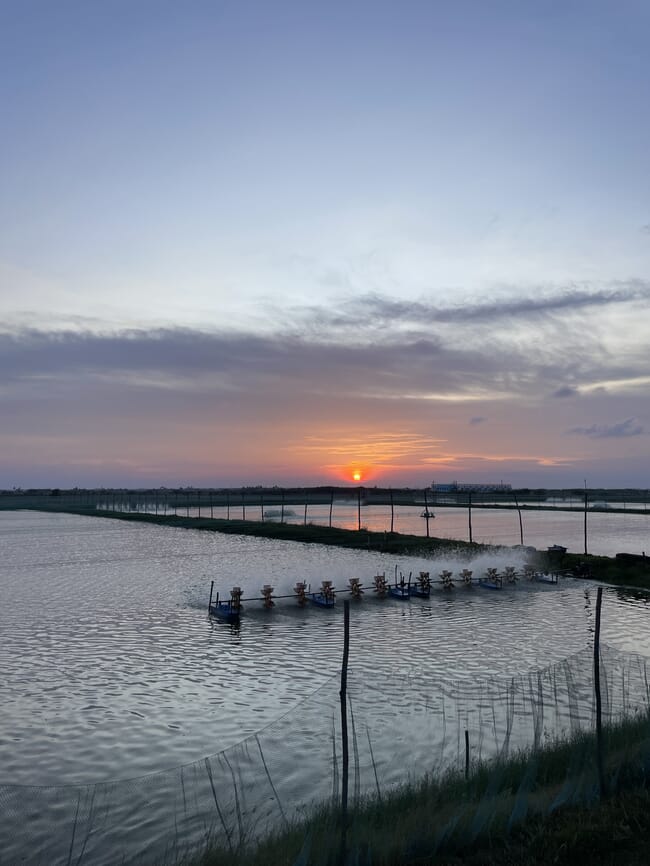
{"points": [[502, 814], [308, 534], [624, 570]]}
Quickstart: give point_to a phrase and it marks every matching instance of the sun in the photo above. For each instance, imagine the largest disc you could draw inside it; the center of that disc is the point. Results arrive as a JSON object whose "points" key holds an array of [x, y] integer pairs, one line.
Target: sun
{"points": [[356, 476]]}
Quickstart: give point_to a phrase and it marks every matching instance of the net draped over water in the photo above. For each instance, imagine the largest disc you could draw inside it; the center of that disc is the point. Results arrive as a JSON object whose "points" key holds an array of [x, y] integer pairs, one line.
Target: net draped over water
{"points": [[277, 775]]}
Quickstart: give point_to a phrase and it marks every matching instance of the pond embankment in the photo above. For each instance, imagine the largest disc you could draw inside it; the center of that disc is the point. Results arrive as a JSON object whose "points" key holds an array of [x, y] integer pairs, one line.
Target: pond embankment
{"points": [[622, 570]]}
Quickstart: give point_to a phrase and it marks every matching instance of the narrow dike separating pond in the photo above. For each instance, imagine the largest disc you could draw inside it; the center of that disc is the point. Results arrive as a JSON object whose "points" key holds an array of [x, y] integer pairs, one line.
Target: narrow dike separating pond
{"points": [[623, 570]]}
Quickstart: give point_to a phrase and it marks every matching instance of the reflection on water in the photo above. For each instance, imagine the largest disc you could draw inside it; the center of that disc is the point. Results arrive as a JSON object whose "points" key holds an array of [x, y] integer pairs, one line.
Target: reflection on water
{"points": [[112, 668], [607, 534]]}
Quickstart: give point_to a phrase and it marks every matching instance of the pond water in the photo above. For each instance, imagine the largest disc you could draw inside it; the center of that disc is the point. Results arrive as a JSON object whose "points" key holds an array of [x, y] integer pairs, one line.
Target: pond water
{"points": [[111, 665], [607, 534], [112, 669]]}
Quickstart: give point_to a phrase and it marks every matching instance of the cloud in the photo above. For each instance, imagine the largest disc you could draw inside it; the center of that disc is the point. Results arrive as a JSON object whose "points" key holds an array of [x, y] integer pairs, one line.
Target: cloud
{"points": [[372, 309], [629, 427], [565, 391]]}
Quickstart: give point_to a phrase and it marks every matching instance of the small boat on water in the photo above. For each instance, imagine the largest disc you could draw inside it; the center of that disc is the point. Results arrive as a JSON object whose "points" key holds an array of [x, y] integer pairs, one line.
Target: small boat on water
{"points": [[326, 597], [226, 611], [428, 515], [401, 590]]}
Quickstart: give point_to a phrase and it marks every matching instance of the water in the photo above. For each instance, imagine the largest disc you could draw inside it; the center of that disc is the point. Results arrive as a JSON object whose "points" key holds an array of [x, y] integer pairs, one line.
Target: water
{"points": [[112, 670], [607, 534]]}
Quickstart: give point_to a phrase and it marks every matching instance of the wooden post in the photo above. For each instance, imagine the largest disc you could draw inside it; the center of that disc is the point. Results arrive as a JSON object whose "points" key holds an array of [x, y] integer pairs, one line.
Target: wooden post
{"points": [[586, 517], [331, 506], [469, 515], [210, 602], [282, 508], [344, 730], [426, 510], [599, 708], [305, 520], [466, 754], [358, 509], [227, 505], [521, 525], [392, 512], [262, 506]]}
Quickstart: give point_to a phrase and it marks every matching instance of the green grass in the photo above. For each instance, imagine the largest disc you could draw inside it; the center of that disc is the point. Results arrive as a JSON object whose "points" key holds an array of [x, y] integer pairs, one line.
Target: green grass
{"points": [[453, 820], [310, 533]]}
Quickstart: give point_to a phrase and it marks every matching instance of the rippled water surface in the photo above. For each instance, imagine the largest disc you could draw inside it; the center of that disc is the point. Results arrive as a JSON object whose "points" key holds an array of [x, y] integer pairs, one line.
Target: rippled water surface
{"points": [[111, 668]]}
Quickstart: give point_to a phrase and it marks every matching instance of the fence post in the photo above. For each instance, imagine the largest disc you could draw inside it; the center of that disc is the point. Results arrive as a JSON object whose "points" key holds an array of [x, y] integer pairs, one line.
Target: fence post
{"points": [[586, 519], [599, 707], [344, 731], [521, 525], [469, 515]]}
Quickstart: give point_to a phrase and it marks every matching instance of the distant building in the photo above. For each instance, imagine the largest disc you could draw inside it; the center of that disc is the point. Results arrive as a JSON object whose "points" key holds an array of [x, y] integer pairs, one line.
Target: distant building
{"points": [[455, 487]]}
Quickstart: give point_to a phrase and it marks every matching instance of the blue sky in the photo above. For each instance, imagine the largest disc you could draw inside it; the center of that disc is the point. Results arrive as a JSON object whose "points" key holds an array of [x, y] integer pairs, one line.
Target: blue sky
{"points": [[375, 223]]}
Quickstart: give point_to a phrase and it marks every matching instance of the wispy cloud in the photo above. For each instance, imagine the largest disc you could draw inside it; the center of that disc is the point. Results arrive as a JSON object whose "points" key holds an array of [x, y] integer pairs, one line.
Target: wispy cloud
{"points": [[621, 430]]}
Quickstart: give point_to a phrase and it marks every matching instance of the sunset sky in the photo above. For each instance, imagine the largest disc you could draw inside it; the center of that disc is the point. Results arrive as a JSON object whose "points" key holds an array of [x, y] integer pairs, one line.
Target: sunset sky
{"points": [[284, 242]]}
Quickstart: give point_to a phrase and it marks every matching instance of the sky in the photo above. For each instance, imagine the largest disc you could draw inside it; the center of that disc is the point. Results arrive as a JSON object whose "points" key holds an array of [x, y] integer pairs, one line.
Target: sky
{"points": [[289, 242]]}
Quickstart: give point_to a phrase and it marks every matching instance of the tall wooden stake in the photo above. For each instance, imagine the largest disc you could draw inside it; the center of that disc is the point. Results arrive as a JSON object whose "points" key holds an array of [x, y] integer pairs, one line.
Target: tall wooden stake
{"points": [[331, 506], [469, 515], [359, 509], [586, 517], [344, 730], [521, 525], [392, 513], [426, 510], [599, 707]]}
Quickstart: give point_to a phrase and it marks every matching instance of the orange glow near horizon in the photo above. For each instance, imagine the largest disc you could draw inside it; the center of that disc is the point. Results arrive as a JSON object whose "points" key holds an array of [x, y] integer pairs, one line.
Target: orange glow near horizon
{"points": [[356, 476]]}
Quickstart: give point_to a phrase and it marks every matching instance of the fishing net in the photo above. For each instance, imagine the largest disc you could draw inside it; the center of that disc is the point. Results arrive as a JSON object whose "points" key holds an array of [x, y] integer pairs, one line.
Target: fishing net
{"points": [[400, 727]]}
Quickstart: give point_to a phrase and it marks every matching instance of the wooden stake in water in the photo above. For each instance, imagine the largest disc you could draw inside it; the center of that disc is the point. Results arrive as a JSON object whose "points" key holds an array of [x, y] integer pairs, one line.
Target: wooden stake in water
{"points": [[586, 554], [426, 510], [469, 515], [344, 729], [599, 706], [392, 513], [359, 509], [521, 525], [210, 602], [467, 754]]}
